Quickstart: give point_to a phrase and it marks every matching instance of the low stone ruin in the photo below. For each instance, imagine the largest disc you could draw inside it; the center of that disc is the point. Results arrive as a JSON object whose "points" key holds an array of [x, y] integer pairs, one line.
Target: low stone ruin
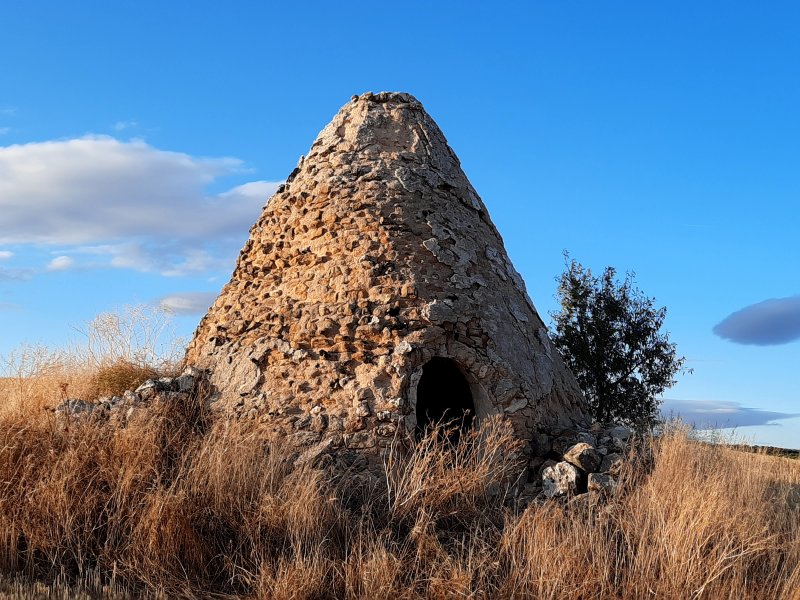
{"points": [[119, 410], [579, 462]]}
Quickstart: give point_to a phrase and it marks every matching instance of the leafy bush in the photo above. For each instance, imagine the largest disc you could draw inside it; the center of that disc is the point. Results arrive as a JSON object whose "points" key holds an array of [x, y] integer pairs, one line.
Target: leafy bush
{"points": [[610, 335]]}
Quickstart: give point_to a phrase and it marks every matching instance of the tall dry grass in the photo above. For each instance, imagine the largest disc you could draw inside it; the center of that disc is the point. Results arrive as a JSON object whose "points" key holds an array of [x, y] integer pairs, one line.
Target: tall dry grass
{"points": [[112, 352], [176, 505]]}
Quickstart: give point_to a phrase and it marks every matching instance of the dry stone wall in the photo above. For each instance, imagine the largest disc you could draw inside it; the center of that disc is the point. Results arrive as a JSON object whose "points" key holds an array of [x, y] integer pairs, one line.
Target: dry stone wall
{"points": [[376, 256]]}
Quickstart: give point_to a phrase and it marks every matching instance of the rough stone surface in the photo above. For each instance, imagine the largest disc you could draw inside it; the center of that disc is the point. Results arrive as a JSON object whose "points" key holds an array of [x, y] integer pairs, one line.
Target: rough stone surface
{"points": [[376, 256], [561, 479], [565, 440], [601, 483], [620, 432], [74, 407], [541, 444], [612, 464], [583, 456]]}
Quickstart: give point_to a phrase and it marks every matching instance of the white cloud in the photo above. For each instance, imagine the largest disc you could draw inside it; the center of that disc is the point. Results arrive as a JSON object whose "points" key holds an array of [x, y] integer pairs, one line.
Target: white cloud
{"points": [[5, 254], [705, 414], [253, 191], [137, 206], [170, 260], [188, 303], [61, 263], [15, 274], [123, 125]]}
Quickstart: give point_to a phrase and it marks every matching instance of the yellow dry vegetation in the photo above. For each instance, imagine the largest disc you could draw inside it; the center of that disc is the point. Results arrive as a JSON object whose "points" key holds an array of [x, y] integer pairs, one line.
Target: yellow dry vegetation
{"points": [[178, 505]]}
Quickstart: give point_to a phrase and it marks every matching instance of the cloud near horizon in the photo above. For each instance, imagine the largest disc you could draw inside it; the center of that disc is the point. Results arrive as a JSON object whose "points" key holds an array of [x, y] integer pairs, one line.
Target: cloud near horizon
{"points": [[717, 414], [768, 323], [188, 303], [128, 203]]}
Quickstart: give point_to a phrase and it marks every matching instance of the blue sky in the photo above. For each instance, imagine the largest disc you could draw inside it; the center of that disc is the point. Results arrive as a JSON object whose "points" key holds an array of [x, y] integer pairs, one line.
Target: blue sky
{"points": [[139, 141]]}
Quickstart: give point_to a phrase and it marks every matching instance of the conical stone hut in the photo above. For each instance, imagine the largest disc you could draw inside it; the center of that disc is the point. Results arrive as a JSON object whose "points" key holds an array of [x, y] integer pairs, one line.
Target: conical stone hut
{"points": [[375, 296]]}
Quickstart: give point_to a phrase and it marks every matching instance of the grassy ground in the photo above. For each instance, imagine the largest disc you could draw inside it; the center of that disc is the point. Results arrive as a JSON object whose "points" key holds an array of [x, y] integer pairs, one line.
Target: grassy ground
{"points": [[174, 505]]}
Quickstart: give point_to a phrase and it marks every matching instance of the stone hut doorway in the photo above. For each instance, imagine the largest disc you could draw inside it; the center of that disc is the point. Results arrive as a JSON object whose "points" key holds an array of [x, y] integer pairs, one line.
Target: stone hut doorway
{"points": [[444, 397]]}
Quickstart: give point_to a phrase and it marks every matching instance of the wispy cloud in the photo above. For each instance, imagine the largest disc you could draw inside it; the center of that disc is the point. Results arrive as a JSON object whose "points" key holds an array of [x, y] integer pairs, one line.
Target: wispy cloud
{"points": [[768, 323], [4, 130], [137, 206], [61, 263], [123, 125], [6, 254], [15, 274], [8, 111], [188, 303], [715, 414]]}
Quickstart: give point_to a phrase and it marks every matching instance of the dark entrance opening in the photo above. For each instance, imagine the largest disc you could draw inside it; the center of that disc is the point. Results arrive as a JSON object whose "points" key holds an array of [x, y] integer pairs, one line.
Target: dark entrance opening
{"points": [[444, 398]]}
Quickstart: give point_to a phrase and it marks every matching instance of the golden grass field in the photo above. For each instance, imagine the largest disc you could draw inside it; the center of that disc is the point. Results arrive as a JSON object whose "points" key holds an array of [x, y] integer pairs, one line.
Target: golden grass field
{"points": [[178, 506]]}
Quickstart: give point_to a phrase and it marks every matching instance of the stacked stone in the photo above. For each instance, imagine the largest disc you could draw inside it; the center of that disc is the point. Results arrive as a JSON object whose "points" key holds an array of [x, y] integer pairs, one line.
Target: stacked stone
{"points": [[574, 462], [376, 256], [121, 409]]}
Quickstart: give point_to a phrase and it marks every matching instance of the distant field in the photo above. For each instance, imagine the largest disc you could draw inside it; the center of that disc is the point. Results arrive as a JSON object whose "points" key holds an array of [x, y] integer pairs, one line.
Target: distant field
{"points": [[768, 450]]}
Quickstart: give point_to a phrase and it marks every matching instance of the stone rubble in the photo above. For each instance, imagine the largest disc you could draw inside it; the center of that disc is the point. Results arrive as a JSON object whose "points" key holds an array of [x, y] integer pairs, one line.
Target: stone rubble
{"points": [[612, 464], [583, 456], [600, 483], [121, 409], [580, 467], [551, 475]]}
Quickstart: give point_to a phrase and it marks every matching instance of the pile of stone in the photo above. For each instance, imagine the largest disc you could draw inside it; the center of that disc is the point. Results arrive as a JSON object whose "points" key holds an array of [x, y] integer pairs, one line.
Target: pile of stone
{"points": [[576, 462], [119, 410]]}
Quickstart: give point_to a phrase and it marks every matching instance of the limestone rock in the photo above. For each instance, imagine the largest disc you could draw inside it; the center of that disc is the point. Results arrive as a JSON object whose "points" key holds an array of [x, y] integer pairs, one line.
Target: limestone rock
{"points": [[620, 432], [118, 410], [601, 483], [561, 479], [547, 463], [583, 456], [565, 440], [541, 444], [612, 464], [74, 407]]}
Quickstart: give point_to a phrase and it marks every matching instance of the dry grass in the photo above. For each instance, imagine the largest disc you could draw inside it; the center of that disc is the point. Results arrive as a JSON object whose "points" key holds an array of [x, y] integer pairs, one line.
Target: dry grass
{"points": [[113, 352], [114, 378], [174, 505]]}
